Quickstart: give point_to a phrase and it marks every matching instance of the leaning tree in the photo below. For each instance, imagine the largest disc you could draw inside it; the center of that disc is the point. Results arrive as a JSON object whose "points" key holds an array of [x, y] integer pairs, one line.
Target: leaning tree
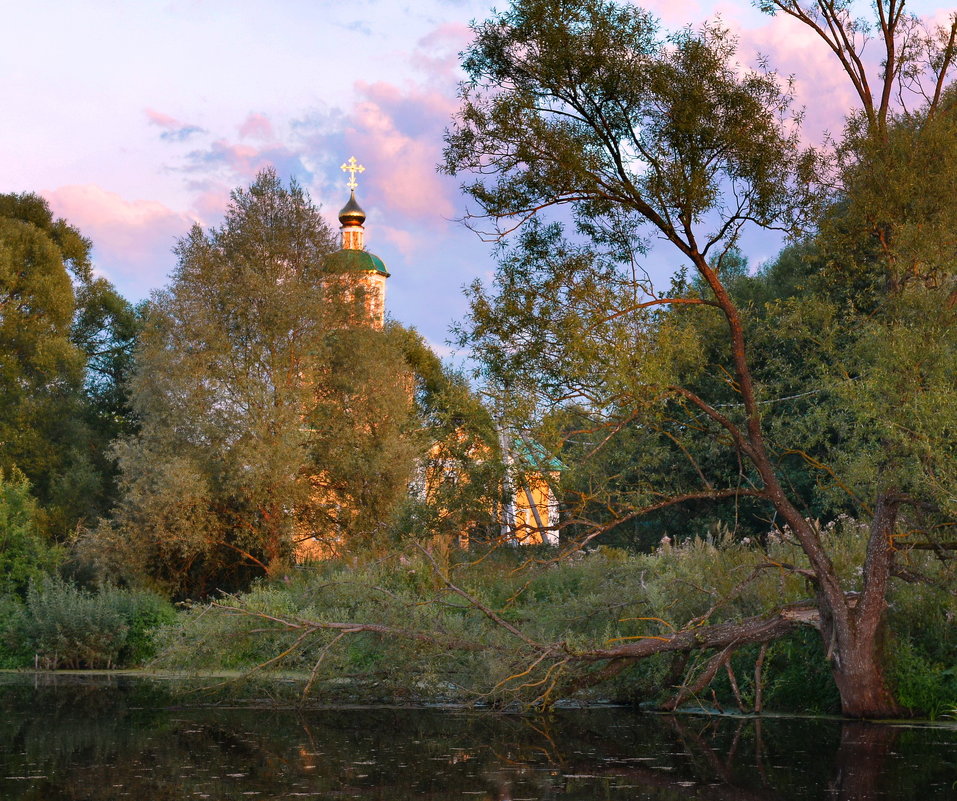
{"points": [[643, 138]]}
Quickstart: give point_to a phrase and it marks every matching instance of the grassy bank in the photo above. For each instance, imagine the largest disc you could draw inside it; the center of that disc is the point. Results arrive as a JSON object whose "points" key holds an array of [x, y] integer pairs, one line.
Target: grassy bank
{"points": [[393, 631], [433, 644]]}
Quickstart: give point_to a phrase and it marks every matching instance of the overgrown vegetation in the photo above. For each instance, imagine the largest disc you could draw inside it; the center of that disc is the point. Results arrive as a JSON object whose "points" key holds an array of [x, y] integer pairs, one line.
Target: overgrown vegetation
{"points": [[397, 630], [25, 554], [833, 392]]}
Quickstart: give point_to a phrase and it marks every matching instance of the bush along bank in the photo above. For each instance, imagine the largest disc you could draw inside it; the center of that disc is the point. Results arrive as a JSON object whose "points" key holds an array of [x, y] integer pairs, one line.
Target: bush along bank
{"points": [[60, 626]]}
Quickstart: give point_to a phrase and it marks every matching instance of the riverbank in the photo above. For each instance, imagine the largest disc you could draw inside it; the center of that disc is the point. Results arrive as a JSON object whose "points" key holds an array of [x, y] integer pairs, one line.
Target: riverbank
{"points": [[512, 633], [230, 690]]}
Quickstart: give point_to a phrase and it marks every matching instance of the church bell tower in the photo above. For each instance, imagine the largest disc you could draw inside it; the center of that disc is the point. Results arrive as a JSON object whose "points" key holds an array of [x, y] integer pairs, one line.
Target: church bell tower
{"points": [[353, 258]]}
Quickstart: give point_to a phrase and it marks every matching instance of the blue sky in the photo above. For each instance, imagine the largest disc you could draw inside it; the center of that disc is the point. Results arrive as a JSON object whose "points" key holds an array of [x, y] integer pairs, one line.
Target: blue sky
{"points": [[135, 118]]}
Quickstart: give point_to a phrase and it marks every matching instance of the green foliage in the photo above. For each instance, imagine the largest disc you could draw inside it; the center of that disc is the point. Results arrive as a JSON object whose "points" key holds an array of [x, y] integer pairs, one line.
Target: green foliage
{"points": [[821, 386], [34, 211], [12, 654], [67, 627], [588, 103], [639, 133], [363, 443], [40, 369], [586, 602], [268, 411], [589, 601], [25, 555], [57, 414], [925, 687], [106, 328], [921, 649], [144, 614], [59, 625], [798, 676], [895, 225], [834, 324]]}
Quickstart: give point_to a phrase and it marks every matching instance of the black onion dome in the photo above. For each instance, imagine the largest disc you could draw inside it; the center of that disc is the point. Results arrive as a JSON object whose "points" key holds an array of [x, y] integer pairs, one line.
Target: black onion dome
{"points": [[352, 213]]}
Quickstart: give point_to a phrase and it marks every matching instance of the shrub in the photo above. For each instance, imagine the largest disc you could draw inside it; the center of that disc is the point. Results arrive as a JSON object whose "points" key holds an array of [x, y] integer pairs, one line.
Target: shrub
{"points": [[799, 677], [68, 627], [586, 601], [62, 626], [604, 596], [922, 649], [144, 614], [12, 655], [921, 685]]}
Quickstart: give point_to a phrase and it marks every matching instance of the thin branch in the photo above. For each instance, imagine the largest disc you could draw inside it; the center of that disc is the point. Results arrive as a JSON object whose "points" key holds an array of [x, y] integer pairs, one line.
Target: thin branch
{"points": [[477, 604], [704, 678], [322, 655], [712, 495], [657, 302], [355, 628], [739, 439]]}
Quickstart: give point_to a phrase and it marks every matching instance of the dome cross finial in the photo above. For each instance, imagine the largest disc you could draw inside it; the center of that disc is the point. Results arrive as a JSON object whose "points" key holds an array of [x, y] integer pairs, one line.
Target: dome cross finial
{"points": [[352, 167]]}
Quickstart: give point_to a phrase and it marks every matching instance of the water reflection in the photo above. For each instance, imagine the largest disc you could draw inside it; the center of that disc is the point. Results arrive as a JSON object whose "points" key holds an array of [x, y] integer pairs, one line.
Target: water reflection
{"points": [[78, 739]]}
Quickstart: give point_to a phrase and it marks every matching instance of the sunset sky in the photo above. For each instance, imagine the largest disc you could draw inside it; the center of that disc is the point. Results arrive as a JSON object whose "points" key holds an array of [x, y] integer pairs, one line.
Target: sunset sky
{"points": [[135, 118]]}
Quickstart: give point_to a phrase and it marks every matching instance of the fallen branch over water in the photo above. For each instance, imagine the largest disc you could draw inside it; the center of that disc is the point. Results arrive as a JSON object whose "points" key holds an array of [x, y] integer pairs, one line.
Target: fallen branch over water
{"points": [[557, 660]]}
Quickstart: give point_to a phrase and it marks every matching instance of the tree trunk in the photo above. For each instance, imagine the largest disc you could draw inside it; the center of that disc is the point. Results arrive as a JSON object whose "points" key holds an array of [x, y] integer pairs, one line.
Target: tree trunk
{"points": [[851, 632], [856, 646], [859, 675]]}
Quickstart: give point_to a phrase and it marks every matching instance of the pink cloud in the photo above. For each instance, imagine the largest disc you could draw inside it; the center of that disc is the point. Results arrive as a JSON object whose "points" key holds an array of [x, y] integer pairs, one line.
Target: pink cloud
{"points": [[397, 133], [256, 126], [820, 87], [408, 243], [676, 13], [941, 18], [173, 129], [437, 53], [210, 200], [132, 239], [162, 120]]}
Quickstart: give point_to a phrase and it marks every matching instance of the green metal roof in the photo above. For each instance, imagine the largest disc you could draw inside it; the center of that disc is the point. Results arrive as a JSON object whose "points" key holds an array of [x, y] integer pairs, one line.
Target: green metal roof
{"points": [[534, 455], [361, 261]]}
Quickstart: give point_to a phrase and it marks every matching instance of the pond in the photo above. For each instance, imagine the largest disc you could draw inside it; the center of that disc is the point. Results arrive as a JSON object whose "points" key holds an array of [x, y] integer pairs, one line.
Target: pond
{"points": [[68, 737]]}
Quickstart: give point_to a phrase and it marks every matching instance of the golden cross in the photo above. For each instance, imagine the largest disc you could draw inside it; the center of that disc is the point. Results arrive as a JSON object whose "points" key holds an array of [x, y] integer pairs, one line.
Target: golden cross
{"points": [[352, 167]]}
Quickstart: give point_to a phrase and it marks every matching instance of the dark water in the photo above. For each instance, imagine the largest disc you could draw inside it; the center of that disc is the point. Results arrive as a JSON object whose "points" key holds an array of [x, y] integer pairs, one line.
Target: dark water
{"points": [[68, 738]]}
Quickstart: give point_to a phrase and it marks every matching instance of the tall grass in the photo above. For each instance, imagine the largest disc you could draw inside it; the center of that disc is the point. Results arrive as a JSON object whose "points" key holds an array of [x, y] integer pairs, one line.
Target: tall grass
{"points": [[586, 602]]}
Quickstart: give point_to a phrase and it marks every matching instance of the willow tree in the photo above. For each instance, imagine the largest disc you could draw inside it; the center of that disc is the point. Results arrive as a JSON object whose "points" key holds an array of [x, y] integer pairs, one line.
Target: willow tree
{"points": [[261, 404], [649, 138]]}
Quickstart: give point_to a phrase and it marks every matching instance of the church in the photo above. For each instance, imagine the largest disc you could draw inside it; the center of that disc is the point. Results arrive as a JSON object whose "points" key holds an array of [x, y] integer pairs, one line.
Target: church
{"points": [[529, 511], [352, 259]]}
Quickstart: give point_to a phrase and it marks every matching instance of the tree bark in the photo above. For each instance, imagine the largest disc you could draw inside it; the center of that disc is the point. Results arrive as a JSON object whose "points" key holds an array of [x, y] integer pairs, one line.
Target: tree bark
{"points": [[856, 655], [860, 679]]}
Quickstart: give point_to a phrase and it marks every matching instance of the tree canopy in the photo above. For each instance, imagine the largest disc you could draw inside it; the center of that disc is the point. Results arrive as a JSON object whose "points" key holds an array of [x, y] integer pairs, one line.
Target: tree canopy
{"points": [[269, 413], [47, 426], [686, 394]]}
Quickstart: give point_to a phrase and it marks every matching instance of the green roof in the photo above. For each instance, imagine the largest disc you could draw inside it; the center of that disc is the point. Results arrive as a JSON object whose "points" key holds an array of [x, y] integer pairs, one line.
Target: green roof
{"points": [[361, 261], [534, 455]]}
